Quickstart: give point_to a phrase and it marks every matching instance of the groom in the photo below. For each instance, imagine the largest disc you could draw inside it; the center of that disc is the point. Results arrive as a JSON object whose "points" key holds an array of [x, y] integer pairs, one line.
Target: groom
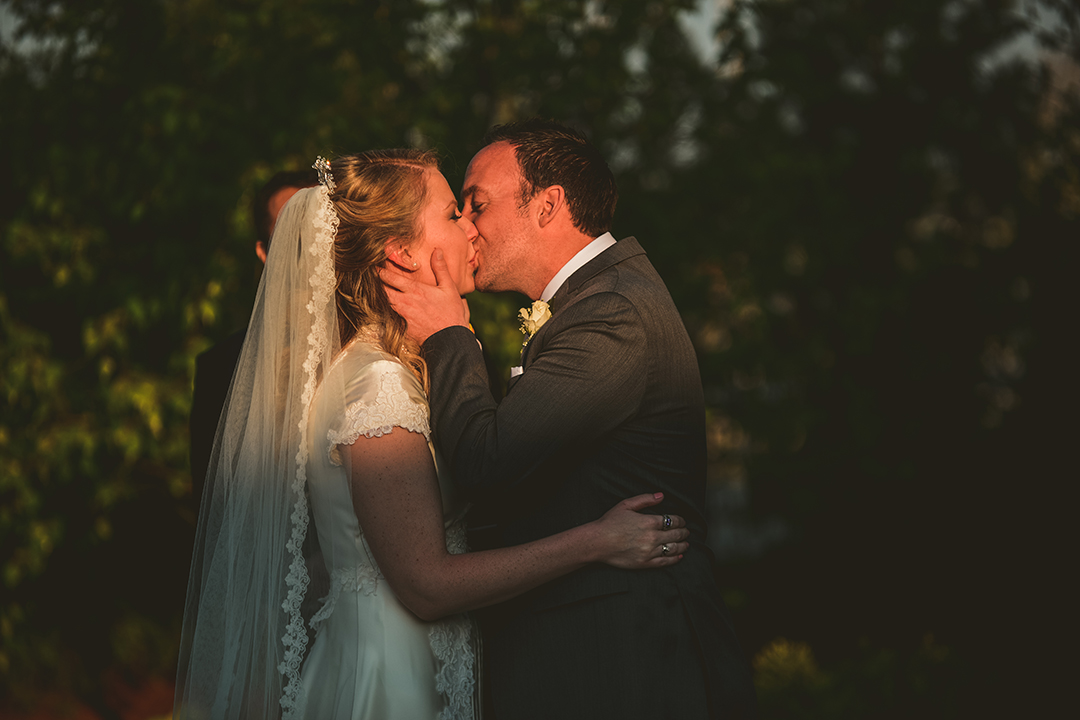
{"points": [[607, 404]]}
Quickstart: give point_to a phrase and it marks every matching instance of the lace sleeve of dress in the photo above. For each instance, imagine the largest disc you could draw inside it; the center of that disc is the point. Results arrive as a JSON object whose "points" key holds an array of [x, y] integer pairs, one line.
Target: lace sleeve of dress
{"points": [[392, 407]]}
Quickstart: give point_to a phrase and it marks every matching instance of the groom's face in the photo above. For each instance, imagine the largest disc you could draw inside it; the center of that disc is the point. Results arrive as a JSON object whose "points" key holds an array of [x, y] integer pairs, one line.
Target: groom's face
{"points": [[491, 199]]}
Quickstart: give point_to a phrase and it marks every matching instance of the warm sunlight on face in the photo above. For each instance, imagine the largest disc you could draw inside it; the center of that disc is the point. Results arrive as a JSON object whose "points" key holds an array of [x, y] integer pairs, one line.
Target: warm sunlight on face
{"points": [[441, 226], [505, 241]]}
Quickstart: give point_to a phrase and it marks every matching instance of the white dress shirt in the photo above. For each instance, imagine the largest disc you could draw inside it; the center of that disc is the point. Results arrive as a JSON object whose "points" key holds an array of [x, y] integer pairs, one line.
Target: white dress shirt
{"points": [[583, 256]]}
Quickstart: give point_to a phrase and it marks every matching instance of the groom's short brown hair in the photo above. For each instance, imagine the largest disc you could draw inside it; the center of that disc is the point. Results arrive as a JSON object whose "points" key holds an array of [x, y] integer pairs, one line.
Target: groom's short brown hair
{"points": [[550, 153]]}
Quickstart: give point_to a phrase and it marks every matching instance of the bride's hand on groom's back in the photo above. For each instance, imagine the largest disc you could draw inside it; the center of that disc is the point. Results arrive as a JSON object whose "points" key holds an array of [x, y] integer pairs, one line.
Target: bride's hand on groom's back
{"points": [[632, 540]]}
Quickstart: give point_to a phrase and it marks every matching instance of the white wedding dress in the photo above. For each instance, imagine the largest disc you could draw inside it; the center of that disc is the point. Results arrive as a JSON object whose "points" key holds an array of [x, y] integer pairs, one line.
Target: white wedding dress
{"points": [[287, 615], [372, 658]]}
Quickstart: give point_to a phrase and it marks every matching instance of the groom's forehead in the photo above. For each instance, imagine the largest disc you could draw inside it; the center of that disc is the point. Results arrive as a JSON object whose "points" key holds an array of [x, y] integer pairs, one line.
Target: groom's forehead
{"points": [[480, 187], [493, 165], [470, 192]]}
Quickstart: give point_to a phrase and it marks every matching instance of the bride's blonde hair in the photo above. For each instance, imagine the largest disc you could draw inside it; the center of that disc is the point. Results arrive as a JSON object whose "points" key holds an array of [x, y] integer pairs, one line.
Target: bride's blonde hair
{"points": [[378, 198]]}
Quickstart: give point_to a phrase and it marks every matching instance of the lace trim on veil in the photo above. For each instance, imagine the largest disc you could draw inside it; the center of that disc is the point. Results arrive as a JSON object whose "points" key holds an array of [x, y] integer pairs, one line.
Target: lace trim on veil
{"points": [[322, 288]]}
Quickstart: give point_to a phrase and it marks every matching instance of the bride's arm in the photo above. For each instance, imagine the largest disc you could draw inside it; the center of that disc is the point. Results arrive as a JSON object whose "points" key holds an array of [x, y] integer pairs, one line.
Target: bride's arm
{"points": [[396, 498]]}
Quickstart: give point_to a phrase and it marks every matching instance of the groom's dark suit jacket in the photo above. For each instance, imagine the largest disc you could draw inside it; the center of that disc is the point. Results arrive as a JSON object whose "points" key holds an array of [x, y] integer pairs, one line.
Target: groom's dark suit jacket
{"points": [[609, 405]]}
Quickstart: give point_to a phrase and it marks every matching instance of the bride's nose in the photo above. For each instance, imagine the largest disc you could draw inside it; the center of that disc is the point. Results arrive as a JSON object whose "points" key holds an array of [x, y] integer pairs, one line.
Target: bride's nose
{"points": [[470, 230]]}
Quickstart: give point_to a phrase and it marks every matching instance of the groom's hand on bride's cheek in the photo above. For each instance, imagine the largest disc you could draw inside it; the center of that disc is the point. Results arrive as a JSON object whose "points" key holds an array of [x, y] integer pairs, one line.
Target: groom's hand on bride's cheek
{"points": [[426, 308]]}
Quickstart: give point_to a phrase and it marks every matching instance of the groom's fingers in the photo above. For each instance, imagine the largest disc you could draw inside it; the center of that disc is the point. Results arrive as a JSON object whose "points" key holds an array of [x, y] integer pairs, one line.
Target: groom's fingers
{"points": [[439, 267], [395, 278], [426, 308]]}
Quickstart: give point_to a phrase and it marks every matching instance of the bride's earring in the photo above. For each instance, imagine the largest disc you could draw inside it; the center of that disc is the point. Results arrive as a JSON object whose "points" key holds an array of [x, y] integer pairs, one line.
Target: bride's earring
{"points": [[409, 259], [404, 260]]}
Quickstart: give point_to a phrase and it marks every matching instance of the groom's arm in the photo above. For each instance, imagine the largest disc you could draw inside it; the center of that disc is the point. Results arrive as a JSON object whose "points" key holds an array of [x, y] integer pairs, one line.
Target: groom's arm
{"points": [[586, 375]]}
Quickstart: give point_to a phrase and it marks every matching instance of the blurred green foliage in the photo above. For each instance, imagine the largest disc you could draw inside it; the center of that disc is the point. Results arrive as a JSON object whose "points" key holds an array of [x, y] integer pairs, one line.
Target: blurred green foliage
{"points": [[918, 682], [860, 207]]}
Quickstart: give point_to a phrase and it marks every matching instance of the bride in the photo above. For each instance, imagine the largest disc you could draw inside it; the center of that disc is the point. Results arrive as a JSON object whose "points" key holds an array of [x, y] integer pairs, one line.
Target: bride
{"points": [[326, 425]]}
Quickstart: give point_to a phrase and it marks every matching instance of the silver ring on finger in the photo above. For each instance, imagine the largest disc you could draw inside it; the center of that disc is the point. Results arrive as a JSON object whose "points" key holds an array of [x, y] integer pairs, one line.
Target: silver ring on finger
{"points": [[667, 523], [664, 549]]}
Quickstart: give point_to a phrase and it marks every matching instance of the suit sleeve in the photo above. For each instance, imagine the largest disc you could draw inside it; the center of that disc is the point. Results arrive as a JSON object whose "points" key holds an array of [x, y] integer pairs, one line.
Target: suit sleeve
{"points": [[585, 376]]}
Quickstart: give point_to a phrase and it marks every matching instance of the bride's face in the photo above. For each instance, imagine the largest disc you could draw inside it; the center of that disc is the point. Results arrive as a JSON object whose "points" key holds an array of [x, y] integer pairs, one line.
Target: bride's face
{"points": [[442, 226]]}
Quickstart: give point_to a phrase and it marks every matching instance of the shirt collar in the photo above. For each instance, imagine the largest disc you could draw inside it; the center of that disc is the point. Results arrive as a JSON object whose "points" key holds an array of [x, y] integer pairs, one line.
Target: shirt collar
{"points": [[583, 256]]}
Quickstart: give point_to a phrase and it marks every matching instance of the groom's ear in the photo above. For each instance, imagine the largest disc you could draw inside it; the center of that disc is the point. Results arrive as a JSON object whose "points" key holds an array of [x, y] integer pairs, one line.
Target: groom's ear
{"points": [[551, 202]]}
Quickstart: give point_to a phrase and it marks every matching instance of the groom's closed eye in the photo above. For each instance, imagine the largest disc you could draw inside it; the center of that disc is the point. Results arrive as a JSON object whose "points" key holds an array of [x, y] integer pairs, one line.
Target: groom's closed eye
{"points": [[468, 200]]}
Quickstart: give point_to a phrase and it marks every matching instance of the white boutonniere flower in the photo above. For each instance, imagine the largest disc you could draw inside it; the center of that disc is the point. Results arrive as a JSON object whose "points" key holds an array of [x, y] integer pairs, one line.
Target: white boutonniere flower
{"points": [[532, 319]]}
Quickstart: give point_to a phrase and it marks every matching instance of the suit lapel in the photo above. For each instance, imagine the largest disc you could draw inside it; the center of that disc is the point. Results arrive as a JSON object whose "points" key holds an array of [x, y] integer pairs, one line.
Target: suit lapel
{"points": [[620, 251], [617, 253]]}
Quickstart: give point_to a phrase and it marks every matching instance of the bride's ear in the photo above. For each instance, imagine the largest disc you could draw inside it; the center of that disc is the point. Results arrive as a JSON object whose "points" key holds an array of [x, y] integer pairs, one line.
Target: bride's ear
{"points": [[399, 256]]}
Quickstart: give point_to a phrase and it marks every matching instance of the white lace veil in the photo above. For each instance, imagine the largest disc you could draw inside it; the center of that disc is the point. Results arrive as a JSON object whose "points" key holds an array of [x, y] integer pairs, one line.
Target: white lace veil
{"points": [[244, 633]]}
